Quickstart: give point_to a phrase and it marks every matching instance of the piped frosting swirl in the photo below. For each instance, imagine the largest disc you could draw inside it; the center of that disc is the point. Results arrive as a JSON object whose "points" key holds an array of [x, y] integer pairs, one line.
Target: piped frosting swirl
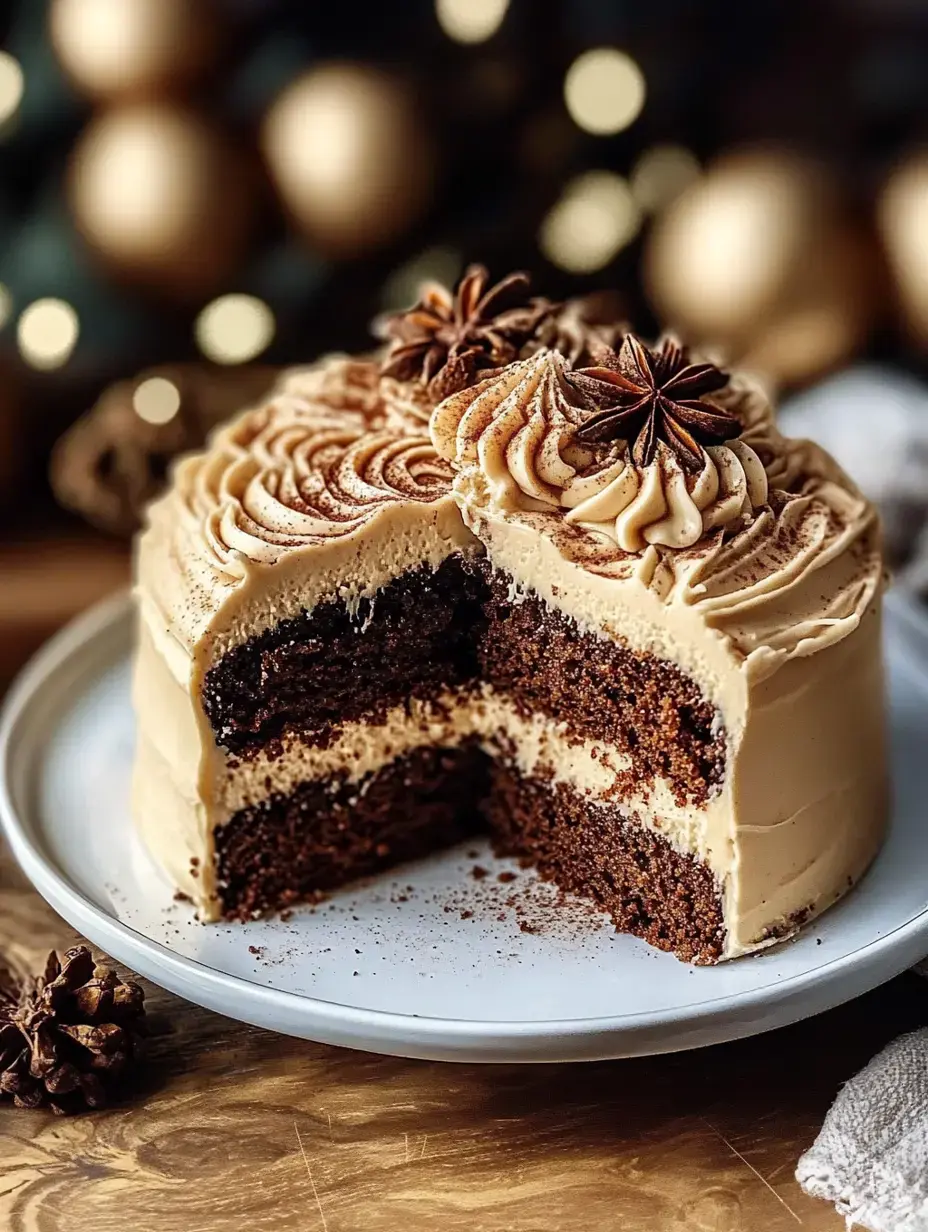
{"points": [[337, 389], [766, 537], [519, 426], [662, 504], [277, 479]]}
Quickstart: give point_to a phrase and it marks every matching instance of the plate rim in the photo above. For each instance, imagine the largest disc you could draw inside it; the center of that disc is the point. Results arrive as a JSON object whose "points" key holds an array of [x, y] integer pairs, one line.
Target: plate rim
{"points": [[411, 1031]]}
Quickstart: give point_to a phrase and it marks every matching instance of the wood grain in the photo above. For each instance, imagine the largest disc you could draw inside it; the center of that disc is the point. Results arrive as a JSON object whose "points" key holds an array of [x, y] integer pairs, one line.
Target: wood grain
{"points": [[232, 1127], [42, 585]]}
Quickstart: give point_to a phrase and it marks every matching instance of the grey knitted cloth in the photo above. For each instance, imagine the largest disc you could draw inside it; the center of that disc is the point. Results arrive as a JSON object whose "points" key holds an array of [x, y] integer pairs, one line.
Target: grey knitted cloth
{"points": [[871, 1157]]}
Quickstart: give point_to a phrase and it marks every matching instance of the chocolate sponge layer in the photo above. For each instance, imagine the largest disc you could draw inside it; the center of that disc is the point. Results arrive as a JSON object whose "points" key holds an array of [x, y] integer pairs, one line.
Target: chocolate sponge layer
{"points": [[433, 630], [600, 690], [323, 834], [592, 848], [334, 665]]}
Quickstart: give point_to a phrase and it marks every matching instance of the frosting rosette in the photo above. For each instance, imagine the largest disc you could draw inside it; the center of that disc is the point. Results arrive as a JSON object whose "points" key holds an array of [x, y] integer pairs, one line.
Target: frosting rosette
{"points": [[662, 503], [277, 479], [519, 428], [346, 388], [336, 389]]}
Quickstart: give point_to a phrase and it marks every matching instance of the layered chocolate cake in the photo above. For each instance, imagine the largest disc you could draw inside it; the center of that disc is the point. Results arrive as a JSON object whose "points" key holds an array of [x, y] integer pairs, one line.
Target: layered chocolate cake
{"points": [[516, 572]]}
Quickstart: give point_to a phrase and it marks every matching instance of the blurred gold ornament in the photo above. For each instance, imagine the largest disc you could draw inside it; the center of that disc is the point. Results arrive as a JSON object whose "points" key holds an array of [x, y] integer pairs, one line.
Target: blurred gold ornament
{"points": [[470, 21], [902, 215], [758, 259], [161, 197], [12, 85], [349, 156], [120, 48]]}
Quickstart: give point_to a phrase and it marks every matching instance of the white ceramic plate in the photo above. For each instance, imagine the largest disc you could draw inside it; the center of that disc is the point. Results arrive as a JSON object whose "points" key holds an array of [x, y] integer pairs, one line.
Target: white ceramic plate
{"points": [[429, 960]]}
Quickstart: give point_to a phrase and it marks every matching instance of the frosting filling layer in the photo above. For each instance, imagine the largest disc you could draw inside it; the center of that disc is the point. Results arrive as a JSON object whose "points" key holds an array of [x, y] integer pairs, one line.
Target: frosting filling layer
{"points": [[537, 746], [324, 833]]}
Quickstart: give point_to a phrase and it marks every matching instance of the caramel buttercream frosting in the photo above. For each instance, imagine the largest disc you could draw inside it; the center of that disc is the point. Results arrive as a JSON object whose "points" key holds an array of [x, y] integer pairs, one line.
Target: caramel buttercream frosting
{"points": [[642, 496], [765, 535], [321, 464], [335, 387], [340, 386], [522, 427]]}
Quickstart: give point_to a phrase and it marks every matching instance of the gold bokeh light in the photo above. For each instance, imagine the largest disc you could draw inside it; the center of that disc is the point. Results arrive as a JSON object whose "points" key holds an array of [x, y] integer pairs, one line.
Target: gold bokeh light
{"points": [[470, 21], [47, 333], [436, 264], [901, 214], [350, 155], [661, 174], [234, 329], [593, 220], [12, 85], [604, 91], [156, 400]]}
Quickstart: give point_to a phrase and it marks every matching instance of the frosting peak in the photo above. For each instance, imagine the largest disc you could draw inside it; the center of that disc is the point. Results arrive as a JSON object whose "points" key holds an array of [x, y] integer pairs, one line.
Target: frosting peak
{"points": [[521, 427], [662, 504]]}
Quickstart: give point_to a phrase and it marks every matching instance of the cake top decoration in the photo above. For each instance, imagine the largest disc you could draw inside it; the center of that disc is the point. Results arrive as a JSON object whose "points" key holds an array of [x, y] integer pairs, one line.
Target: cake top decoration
{"points": [[447, 338], [657, 396], [636, 462], [520, 429], [580, 328]]}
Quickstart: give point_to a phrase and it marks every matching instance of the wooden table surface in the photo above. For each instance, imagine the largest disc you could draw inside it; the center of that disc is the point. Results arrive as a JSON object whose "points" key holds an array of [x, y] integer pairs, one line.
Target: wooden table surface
{"points": [[232, 1127]]}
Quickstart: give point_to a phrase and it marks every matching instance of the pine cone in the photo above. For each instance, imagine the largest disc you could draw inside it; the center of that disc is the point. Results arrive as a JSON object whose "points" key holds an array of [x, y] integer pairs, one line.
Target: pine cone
{"points": [[67, 1037]]}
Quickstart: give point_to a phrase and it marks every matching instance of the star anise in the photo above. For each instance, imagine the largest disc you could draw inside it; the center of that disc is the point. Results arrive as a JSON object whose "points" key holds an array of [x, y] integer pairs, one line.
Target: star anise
{"points": [[656, 397], [446, 339], [69, 1035], [580, 328]]}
